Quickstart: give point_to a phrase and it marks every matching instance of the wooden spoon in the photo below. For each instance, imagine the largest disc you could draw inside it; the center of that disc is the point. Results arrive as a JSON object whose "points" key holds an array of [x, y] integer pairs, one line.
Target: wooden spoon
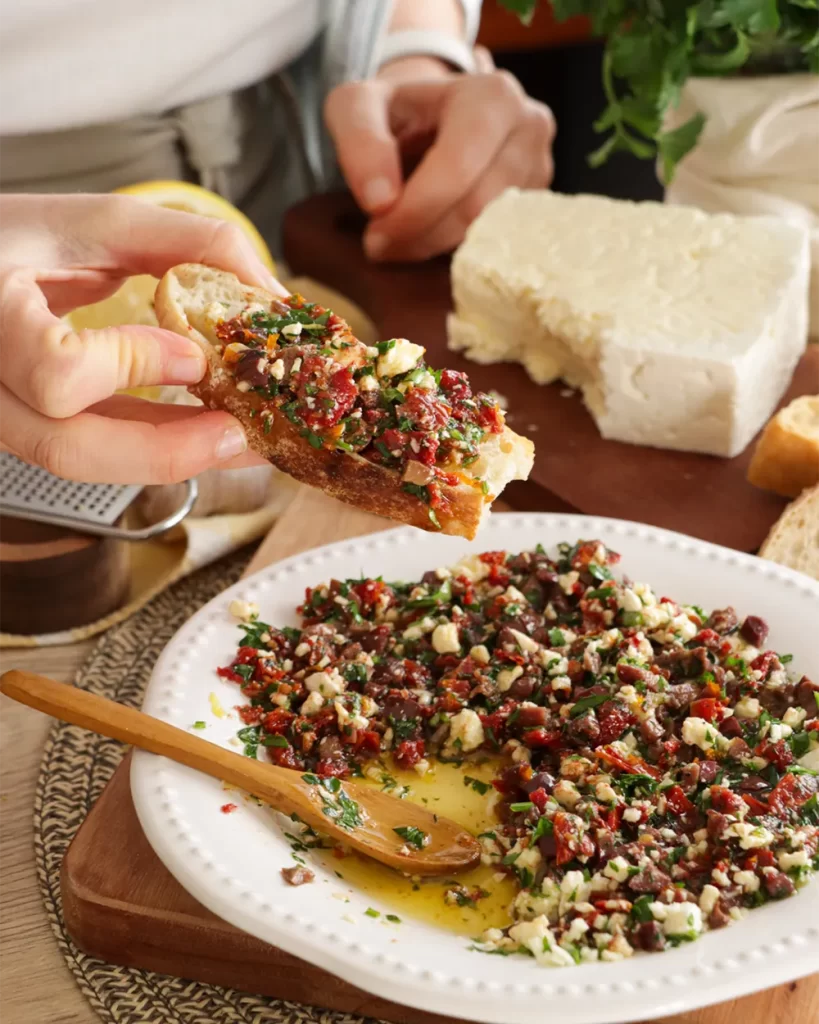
{"points": [[356, 815]]}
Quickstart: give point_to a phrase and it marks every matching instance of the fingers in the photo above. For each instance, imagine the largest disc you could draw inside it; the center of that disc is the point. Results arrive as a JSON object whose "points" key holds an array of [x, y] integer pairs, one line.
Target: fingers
{"points": [[484, 62], [524, 160], [477, 114], [60, 372], [120, 236], [357, 117], [123, 440]]}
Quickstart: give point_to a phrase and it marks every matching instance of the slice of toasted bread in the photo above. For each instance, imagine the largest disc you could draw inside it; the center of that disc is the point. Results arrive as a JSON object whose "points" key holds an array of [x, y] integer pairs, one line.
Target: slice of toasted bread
{"points": [[794, 538], [194, 300], [786, 458]]}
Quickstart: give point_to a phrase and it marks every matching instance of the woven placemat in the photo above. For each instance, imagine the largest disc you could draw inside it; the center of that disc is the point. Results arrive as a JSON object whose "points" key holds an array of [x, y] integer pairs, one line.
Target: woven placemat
{"points": [[76, 766]]}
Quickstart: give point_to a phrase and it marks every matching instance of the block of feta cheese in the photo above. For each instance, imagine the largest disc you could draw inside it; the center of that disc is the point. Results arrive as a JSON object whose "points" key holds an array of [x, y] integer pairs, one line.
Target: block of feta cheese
{"points": [[681, 328]]}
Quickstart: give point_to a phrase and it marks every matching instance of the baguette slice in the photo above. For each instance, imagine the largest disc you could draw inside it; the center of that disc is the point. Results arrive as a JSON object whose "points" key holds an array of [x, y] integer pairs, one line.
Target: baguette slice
{"points": [[794, 538], [193, 300], [786, 458]]}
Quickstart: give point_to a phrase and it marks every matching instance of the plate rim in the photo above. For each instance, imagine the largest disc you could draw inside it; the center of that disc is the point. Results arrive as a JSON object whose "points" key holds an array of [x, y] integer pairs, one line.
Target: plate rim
{"points": [[387, 978]]}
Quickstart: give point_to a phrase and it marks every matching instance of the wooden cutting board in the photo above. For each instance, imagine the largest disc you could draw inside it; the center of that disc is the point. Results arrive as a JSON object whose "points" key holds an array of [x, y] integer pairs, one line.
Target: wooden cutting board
{"points": [[701, 495], [123, 906]]}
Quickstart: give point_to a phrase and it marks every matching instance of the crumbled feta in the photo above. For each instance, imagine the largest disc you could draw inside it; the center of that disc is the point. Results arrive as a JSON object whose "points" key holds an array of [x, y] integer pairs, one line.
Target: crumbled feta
{"points": [[507, 676], [472, 568], [313, 704], [328, 684], [347, 721], [243, 610], [419, 629], [632, 814], [277, 370], [720, 877], [445, 638], [400, 358], [618, 869], [567, 581], [748, 707], [810, 760], [604, 792], [708, 898], [465, 732], [702, 734], [576, 930], [529, 859], [682, 919], [794, 717], [751, 837], [629, 601], [793, 860], [566, 793], [779, 731], [524, 642], [480, 654], [747, 879]]}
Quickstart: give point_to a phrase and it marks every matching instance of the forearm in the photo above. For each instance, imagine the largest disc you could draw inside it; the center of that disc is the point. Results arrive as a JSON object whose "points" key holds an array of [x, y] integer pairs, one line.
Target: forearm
{"points": [[440, 15]]}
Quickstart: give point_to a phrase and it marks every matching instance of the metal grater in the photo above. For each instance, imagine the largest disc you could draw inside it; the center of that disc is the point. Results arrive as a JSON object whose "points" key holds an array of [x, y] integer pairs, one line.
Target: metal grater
{"points": [[28, 492]]}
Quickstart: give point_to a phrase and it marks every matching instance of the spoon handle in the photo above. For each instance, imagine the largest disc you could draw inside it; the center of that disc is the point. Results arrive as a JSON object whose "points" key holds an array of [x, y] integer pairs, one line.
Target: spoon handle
{"points": [[282, 789]]}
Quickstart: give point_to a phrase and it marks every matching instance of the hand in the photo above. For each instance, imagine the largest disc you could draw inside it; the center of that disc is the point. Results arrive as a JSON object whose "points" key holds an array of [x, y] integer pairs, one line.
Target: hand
{"points": [[481, 134], [57, 386]]}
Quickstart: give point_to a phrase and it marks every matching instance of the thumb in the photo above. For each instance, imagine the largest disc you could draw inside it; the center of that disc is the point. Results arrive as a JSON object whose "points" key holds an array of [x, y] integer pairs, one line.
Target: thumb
{"points": [[357, 118], [60, 372]]}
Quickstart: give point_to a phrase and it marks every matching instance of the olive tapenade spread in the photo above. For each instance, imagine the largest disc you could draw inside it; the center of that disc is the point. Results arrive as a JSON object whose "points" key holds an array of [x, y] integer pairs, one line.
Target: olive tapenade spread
{"points": [[381, 402], [660, 765]]}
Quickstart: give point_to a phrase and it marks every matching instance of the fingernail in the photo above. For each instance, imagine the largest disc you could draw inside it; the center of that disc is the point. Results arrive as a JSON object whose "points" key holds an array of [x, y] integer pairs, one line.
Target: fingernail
{"points": [[375, 244], [378, 192], [272, 284], [187, 369], [232, 443]]}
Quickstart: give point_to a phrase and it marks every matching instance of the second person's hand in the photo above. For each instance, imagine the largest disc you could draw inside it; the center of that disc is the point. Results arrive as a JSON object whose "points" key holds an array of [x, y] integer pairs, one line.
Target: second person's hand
{"points": [[482, 134]]}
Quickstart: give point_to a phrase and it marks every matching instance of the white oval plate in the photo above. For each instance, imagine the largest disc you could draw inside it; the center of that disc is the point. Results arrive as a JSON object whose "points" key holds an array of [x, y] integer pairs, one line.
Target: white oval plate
{"points": [[231, 863]]}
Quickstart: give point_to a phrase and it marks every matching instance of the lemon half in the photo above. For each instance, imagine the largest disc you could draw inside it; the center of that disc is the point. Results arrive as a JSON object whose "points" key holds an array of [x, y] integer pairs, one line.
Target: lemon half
{"points": [[133, 303]]}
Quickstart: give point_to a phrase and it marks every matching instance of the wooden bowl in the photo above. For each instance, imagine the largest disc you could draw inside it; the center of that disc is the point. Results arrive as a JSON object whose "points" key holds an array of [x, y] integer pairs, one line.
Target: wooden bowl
{"points": [[52, 579]]}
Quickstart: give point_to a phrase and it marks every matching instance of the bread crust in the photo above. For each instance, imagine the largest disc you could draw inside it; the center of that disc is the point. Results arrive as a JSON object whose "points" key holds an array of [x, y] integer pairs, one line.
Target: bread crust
{"points": [[785, 461], [182, 297]]}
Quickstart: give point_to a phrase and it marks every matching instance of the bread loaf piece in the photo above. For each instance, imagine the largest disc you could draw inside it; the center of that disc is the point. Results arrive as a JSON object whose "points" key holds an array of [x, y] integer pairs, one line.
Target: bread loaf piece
{"points": [[786, 458], [794, 539]]}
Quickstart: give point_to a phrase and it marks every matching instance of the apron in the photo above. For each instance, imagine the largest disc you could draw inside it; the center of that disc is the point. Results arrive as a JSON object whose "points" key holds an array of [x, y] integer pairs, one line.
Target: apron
{"points": [[249, 146]]}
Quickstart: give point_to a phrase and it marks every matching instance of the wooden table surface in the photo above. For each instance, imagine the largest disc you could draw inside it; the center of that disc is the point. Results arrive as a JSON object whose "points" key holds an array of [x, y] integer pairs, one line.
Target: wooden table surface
{"points": [[36, 987]]}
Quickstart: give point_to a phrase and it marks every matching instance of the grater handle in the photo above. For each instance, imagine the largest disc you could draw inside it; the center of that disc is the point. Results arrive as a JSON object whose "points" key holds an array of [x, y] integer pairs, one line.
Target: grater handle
{"points": [[100, 529]]}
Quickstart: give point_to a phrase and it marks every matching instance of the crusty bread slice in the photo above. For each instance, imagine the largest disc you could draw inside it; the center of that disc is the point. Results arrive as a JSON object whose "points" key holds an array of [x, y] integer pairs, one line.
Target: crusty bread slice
{"points": [[185, 302], [794, 538], [786, 458]]}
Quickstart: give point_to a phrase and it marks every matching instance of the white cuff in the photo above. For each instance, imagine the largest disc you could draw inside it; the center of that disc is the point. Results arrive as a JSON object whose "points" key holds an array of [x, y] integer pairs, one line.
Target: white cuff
{"points": [[424, 43]]}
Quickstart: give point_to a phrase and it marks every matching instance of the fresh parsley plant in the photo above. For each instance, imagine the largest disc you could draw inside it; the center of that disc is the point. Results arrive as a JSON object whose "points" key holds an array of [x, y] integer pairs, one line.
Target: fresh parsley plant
{"points": [[654, 46]]}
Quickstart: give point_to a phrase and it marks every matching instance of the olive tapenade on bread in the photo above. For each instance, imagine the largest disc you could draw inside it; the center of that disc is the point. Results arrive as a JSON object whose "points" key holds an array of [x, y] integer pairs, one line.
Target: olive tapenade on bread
{"points": [[371, 425]]}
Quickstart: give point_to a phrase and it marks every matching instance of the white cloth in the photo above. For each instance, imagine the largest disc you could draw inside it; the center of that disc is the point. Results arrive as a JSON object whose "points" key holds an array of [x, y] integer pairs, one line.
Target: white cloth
{"points": [[758, 154], [73, 63]]}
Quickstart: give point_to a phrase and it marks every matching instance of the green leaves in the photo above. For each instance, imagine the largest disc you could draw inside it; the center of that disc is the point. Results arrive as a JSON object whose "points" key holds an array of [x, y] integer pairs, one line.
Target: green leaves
{"points": [[585, 703], [414, 836], [654, 46], [525, 9], [674, 145]]}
